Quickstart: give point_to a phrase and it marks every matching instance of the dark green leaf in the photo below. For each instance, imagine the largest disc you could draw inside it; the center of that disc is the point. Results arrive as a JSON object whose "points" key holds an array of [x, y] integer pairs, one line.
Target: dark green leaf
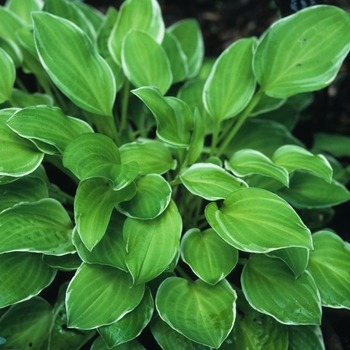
{"points": [[7, 76]]}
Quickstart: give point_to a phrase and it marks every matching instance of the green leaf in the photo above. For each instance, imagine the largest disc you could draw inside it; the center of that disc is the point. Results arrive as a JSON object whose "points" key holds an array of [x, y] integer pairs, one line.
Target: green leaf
{"points": [[23, 9], [142, 15], [174, 117], [131, 325], [296, 258], [100, 295], [22, 99], [153, 195], [255, 220], [189, 35], [25, 189], [26, 325], [152, 156], [48, 125], [254, 330], [110, 250], [40, 227], [73, 64], [305, 337], [247, 162], [330, 267], [23, 275], [93, 205], [18, 156], [208, 255], [12, 49], [210, 181], [105, 31], [294, 157], [225, 95], [176, 56], [166, 337], [62, 337], [252, 135], [336, 145], [145, 62], [9, 23], [197, 139], [68, 262], [94, 16], [294, 56], [152, 245], [267, 104], [310, 191], [7, 76], [271, 288], [99, 344], [68, 10], [201, 312]]}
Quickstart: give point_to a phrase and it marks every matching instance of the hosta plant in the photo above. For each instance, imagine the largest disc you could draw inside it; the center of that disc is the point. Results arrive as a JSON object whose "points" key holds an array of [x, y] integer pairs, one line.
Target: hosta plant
{"points": [[152, 196]]}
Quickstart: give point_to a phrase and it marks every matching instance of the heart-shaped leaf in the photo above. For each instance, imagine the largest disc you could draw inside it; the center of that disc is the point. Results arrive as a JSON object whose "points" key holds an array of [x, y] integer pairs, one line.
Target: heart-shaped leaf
{"points": [[23, 275], [271, 288], [256, 220], [152, 245], [48, 228], [294, 157], [210, 181], [110, 250], [143, 15], [7, 76], [26, 325], [189, 35], [247, 162], [100, 295], [48, 125], [208, 255], [153, 157], [73, 64], [225, 95], [201, 312], [174, 117], [153, 195], [310, 191], [315, 52], [329, 266], [131, 325], [145, 62], [93, 205]]}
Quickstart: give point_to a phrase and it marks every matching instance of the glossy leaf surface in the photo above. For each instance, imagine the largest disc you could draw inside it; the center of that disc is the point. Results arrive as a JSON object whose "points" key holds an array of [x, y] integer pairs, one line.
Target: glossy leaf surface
{"points": [[48, 125], [294, 57], [145, 62], [73, 63], [294, 157], [199, 311], [7, 76], [225, 95], [152, 245], [271, 288], [40, 227], [100, 295], [329, 266], [153, 195], [153, 157], [189, 35], [68, 262], [255, 220], [131, 325], [142, 15], [23, 275], [26, 325], [208, 255], [248, 162], [210, 181], [174, 117], [93, 205], [310, 191]]}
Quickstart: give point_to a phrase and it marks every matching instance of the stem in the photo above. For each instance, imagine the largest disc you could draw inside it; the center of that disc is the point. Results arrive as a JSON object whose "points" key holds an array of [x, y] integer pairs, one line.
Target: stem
{"points": [[105, 125], [182, 273], [124, 105], [241, 119], [215, 137]]}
